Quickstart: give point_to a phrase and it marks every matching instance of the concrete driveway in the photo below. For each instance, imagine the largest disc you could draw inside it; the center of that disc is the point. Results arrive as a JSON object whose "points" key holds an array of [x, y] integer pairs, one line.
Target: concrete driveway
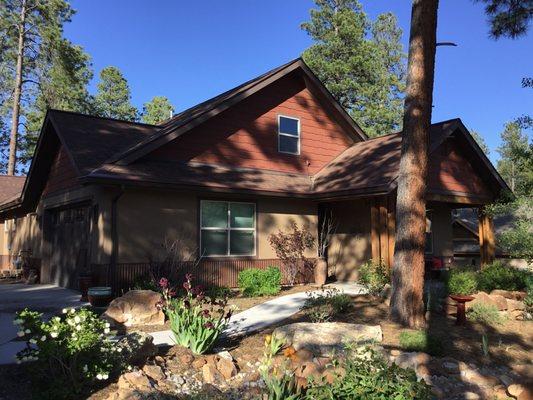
{"points": [[48, 299]]}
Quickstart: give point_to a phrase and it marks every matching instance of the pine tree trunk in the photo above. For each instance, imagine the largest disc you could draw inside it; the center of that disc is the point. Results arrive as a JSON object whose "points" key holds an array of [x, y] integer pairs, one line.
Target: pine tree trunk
{"points": [[13, 137], [407, 306]]}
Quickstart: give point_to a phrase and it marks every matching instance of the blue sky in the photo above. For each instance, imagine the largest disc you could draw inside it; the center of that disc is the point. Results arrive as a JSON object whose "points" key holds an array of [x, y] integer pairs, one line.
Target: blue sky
{"points": [[192, 50]]}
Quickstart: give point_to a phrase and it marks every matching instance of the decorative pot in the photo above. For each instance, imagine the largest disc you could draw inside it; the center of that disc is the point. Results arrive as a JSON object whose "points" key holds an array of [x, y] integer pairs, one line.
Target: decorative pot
{"points": [[84, 283], [100, 296], [321, 271], [461, 300]]}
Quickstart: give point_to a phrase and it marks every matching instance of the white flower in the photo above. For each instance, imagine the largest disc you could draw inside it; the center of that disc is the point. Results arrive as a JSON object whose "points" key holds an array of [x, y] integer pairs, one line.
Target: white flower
{"points": [[43, 338], [24, 358], [107, 325], [53, 334], [129, 368], [105, 376], [119, 349], [77, 319], [64, 310], [74, 336], [85, 369], [70, 322], [72, 311], [78, 328], [33, 341], [106, 330], [17, 321], [57, 319], [27, 331], [99, 377], [20, 333]]}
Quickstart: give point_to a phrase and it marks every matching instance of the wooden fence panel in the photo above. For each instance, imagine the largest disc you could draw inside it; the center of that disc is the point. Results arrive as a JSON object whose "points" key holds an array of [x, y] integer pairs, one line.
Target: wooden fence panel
{"points": [[208, 273]]}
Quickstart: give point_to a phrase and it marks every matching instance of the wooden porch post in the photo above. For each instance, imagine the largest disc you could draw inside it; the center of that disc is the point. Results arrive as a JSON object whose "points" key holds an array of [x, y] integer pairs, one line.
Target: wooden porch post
{"points": [[382, 219], [486, 238]]}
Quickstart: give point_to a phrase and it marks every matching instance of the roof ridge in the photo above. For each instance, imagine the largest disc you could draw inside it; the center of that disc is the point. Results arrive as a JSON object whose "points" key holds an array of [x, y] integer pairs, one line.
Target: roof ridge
{"points": [[54, 110], [257, 78]]}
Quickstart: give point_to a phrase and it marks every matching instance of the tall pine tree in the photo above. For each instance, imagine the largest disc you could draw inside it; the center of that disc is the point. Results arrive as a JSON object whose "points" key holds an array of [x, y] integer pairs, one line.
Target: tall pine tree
{"points": [[361, 62], [516, 162], [34, 59], [113, 98], [157, 110]]}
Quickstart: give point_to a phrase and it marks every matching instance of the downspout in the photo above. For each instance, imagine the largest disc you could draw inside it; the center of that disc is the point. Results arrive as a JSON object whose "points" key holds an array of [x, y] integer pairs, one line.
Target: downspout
{"points": [[114, 235]]}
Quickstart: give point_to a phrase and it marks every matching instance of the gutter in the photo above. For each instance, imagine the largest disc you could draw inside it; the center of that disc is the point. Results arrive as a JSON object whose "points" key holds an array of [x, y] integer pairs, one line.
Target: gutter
{"points": [[114, 235]]}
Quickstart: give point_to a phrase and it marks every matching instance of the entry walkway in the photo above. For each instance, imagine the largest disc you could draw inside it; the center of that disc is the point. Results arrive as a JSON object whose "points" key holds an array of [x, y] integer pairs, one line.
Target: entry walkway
{"points": [[48, 299], [265, 314]]}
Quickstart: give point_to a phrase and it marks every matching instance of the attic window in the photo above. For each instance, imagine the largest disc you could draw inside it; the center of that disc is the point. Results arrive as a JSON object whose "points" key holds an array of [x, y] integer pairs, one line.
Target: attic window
{"points": [[288, 135]]}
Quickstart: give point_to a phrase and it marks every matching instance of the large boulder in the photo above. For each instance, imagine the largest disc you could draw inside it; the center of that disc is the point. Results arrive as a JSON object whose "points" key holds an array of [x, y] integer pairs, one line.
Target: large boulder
{"points": [[136, 307], [327, 337]]}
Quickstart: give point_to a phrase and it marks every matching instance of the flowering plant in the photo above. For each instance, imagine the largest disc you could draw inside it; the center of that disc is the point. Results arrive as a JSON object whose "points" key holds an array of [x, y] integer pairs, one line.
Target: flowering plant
{"points": [[196, 320], [71, 350]]}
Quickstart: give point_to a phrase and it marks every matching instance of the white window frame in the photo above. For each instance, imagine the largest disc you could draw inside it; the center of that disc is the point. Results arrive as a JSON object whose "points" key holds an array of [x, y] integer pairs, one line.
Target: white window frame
{"points": [[298, 136], [229, 228]]}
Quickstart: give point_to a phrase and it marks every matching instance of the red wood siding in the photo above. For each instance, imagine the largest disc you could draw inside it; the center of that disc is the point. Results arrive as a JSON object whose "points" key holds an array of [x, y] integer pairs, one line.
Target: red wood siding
{"points": [[247, 135], [62, 174], [450, 170]]}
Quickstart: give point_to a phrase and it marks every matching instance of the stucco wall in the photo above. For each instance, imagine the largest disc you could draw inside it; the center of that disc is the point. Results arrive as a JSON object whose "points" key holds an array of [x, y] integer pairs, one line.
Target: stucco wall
{"points": [[147, 218], [279, 214], [350, 245]]}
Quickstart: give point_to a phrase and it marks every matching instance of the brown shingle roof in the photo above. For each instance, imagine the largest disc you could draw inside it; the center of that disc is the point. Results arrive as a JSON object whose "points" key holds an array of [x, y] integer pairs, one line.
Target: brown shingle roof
{"points": [[208, 176], [10, 187], [91, 140], [372, 165]]}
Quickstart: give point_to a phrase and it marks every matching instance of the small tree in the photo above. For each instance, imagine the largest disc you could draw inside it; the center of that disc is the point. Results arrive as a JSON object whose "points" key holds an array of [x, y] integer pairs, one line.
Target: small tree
{"points": [[290, 248]]}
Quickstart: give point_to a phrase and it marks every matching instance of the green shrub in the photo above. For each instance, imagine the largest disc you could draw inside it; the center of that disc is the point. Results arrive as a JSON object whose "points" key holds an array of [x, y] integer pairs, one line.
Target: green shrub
{"points": [[374, 276], [369, 377], [528, 301], [71, 352], [462, 281], [216, 292], [485, 313], [260, 282], [420, 341], [499, 276], [324, 305], [195, 320]]}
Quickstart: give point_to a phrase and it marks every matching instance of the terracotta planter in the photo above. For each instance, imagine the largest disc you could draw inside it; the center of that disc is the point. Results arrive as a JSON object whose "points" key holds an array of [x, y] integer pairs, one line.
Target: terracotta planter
{"points": [[100, 296], [461, 300], [84, 283], [321, 271]]}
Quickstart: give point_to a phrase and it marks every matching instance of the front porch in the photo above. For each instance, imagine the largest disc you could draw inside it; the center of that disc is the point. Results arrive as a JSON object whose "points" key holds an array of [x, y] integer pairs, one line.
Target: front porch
{"points": [[365, 229]]}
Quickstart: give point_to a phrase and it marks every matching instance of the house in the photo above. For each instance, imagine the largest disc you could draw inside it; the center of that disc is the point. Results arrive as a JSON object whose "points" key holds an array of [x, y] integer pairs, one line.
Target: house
{"points": [[10, 189], [224, 175]]}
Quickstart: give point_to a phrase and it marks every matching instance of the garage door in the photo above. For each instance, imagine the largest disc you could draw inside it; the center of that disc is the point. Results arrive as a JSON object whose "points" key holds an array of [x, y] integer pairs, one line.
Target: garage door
{"points": [[69, 250]]}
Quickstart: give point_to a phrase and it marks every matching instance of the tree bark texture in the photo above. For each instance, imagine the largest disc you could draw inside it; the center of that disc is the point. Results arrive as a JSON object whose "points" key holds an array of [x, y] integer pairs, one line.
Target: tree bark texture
{"points": [[407, 306], [15, 116]]}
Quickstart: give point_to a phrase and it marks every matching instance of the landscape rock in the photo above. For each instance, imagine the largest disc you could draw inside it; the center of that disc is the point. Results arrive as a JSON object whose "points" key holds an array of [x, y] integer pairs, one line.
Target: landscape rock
{"points": [[328, 337], [211, 374], [510, 294], [137, 347], [514, 305], [136, 307], [154, 372], [481, 298], [135, 380], [520, 392], [500, 301], [227, 367]]}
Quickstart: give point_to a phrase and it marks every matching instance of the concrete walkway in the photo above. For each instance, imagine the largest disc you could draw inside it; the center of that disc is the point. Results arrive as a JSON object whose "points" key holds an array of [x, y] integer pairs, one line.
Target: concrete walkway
{"points": [[265, 314], [48, 299]]}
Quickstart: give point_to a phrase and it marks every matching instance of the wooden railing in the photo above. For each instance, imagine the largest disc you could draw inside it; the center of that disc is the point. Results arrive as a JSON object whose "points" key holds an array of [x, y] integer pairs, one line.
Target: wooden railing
{"points": [[208, 273]]}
